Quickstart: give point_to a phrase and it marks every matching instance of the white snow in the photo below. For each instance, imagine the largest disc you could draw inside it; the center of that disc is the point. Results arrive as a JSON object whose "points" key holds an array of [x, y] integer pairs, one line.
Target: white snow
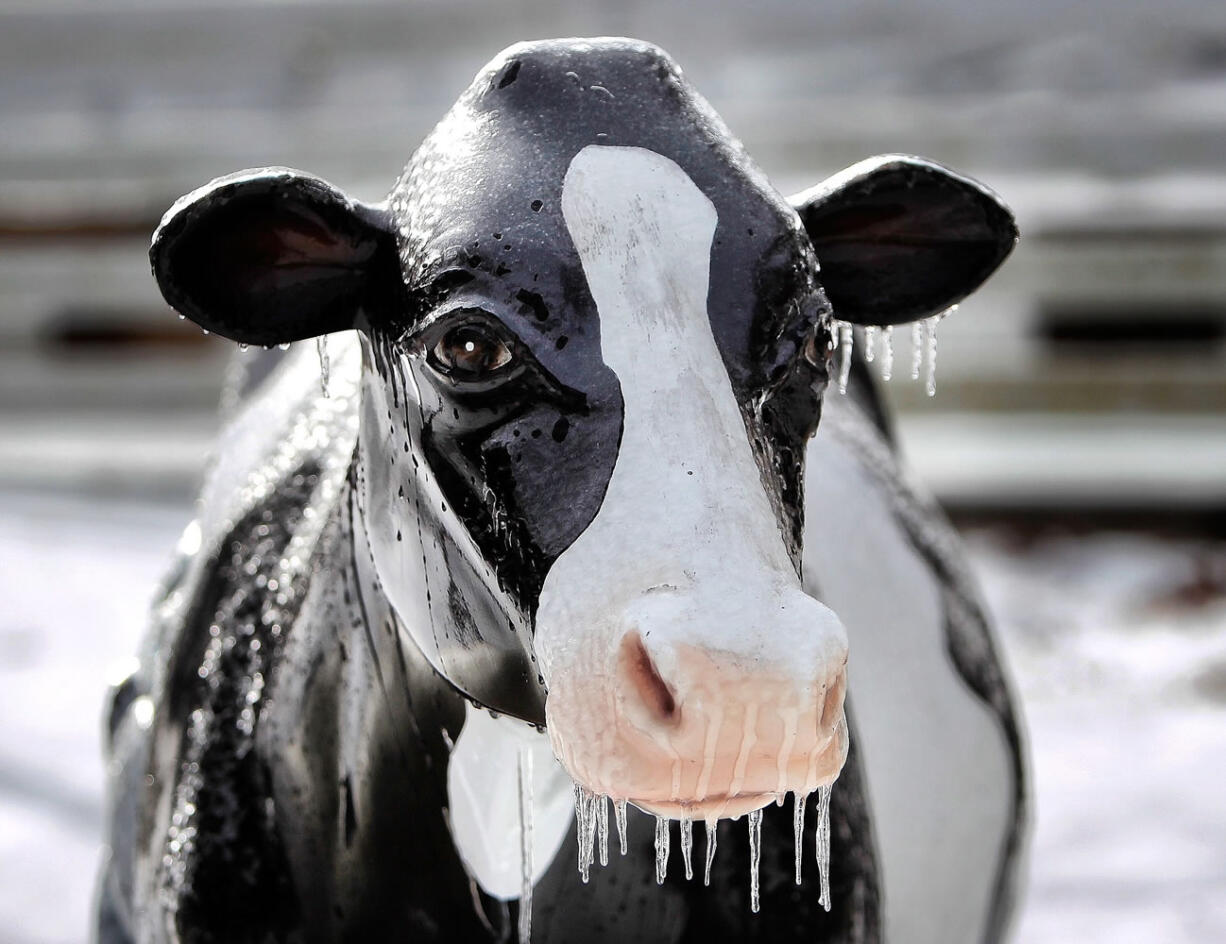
{"points": [[1117, 643]]}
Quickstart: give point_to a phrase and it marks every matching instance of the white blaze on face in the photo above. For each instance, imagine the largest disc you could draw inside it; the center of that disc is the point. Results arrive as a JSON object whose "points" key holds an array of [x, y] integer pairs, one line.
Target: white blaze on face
{"points": [[686, 549]]}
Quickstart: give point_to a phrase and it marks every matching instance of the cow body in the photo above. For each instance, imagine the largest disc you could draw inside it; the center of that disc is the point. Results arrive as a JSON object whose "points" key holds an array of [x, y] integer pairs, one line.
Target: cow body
{"points": [[580, 524]]}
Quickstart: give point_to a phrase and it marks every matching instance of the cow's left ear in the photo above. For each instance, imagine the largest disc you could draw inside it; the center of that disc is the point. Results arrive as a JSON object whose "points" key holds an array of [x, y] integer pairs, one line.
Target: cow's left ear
{"points": [[273, 255], [901, 238]]}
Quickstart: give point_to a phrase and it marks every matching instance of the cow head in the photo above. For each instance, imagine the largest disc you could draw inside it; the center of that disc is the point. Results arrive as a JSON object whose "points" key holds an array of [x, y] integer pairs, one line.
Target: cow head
{"points": [[595, 344]]}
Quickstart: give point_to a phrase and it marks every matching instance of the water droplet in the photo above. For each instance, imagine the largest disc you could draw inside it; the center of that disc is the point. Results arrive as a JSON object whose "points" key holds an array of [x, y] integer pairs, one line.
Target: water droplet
{"points": [[243, 347], [283, 347]]}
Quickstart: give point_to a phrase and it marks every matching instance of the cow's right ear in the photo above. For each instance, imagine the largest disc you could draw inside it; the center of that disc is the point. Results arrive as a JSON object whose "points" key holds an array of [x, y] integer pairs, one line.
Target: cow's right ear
{"points": [[272, 256]]}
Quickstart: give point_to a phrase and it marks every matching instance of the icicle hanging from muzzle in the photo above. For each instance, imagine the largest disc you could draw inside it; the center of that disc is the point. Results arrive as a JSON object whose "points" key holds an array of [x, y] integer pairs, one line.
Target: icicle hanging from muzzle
{"points": [[592, 834]]}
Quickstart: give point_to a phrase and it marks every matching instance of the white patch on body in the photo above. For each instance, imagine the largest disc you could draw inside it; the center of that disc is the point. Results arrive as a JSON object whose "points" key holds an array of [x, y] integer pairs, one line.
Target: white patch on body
{"points": [[937, 763], [483, 799], [685, 549]]}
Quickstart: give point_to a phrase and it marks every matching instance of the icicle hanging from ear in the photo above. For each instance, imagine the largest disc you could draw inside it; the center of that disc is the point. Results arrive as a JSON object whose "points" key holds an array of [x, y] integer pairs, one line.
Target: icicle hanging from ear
{"points": [[923, 348], [321, 346], [845, 346]]}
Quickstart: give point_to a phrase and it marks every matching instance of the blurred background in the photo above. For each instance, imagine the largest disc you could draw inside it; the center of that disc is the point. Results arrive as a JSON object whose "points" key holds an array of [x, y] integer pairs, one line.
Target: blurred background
{"points": [[1078, 435]]}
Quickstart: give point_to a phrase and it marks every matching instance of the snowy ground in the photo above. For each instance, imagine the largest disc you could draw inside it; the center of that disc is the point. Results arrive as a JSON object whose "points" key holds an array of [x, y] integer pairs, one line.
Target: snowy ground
{"points": [[1118, 646]]}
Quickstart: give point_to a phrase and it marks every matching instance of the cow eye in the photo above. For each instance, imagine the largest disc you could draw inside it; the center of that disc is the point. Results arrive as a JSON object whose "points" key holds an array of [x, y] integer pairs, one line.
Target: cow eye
{"points": [[471, 352]]}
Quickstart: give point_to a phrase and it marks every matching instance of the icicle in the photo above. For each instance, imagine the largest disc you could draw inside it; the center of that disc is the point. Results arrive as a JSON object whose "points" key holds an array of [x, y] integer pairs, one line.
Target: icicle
{"points": [[930, 342], [687, 845], [584, 813], [823, 844], [870, 343], [887, 354], [321, 345], [619, 811], [525, 845], [661, 849], [712, 833], [579, 824], [602, 827], [798, 827], [844, 355], [589, 832], [917, 349], [755, 857]]}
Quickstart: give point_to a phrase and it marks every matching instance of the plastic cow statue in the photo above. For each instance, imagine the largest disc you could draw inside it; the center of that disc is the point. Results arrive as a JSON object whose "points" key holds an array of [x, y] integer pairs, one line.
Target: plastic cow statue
{"points": [[555, 614]]}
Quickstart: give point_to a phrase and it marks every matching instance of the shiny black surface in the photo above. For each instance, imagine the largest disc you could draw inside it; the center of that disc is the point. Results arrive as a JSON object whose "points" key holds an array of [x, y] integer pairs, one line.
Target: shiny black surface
{"points": [[293, 784]]}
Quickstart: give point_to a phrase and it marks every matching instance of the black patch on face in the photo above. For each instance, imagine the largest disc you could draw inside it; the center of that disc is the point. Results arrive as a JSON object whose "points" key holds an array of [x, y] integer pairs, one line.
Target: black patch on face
{"points": [[524, 463]]}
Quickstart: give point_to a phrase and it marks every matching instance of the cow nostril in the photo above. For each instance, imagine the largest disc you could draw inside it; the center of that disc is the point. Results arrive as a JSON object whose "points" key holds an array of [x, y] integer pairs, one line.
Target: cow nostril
{"points": [[636, 665]]}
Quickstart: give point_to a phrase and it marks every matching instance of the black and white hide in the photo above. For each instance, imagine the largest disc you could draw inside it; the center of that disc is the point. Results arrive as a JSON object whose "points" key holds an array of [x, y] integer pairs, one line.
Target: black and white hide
{"points": [[560, 535]]}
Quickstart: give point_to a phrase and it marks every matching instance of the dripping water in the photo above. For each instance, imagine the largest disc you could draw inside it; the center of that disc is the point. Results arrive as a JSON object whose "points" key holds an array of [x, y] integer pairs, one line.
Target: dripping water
{"points": [[798, 828], [844, 355], [661, 849], [321, 346], [755, 857], [823, 844], [711, 836], [887, 353], [687, 845], [619, 811], [525, 845], [602, 828]]}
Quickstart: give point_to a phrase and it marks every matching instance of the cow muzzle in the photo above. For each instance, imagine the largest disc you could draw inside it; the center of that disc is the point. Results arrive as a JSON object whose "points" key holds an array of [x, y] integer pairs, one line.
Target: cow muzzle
{"points": [[698, 705]]}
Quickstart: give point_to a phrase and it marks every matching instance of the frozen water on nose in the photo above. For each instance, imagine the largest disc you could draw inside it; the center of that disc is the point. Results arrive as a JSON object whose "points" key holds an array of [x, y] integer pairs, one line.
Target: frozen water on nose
{"points": [[823, 844], [798, 828], [755, 857], [525, 845], [711, 837], [619, 811], [687, 845], [602, 828], [662, 837], [585, 828]]}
